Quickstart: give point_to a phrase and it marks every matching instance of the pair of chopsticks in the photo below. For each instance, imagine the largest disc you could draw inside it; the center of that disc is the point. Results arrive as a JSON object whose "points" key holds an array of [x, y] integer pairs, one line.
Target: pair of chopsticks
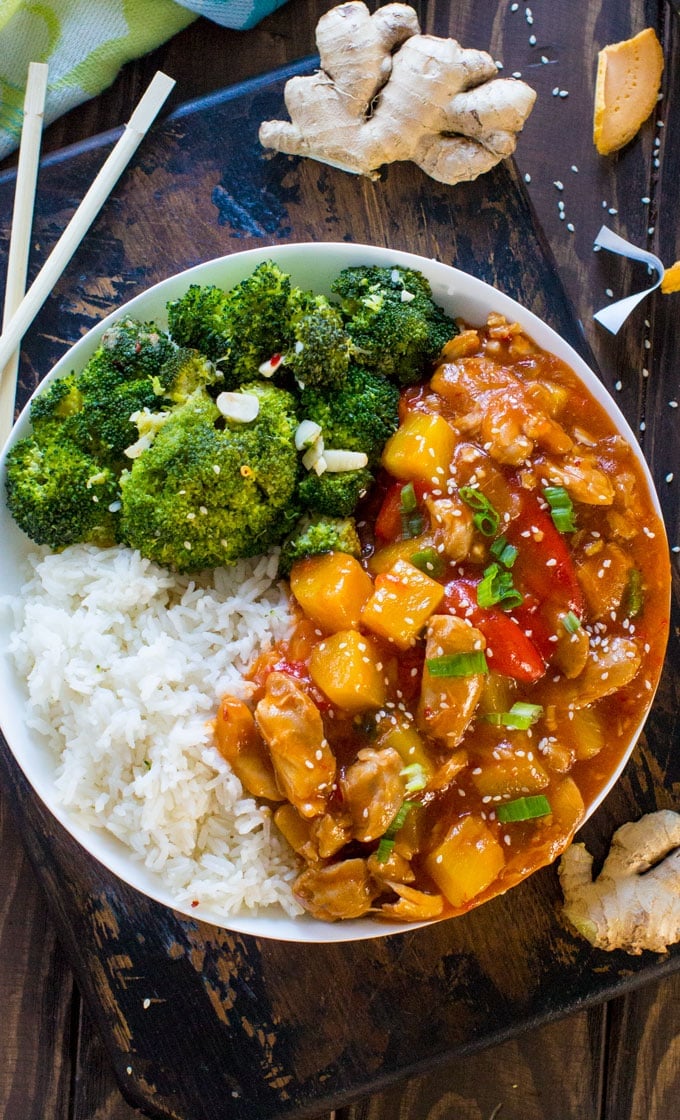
{"points": [[22, 306]]}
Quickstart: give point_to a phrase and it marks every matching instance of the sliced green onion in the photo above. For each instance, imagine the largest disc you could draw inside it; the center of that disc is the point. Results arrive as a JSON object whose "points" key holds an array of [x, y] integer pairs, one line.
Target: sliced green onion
{"points": [[411, 525], [411, 519], [429, 561], [571, 622], [561, 508], [387, 842], [524, 809], [384, 850], [484, 516], [399, 820], [416, 777], [458, 664], [504, 552], [496, 587], [408, 500], [520, 717], [633, 596]]}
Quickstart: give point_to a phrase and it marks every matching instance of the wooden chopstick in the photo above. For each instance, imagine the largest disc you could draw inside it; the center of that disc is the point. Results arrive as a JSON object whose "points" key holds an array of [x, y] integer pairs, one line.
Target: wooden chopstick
{"points": [[22, 223], [92, 202]]}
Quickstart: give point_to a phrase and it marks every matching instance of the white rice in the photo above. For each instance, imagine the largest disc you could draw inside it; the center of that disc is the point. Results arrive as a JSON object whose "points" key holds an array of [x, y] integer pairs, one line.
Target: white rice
{"points": [[125, 664]]}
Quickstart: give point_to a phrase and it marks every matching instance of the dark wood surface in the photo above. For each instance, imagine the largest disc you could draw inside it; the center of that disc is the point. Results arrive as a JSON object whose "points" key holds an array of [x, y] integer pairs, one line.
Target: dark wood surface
{"points": [[615, 1059]]}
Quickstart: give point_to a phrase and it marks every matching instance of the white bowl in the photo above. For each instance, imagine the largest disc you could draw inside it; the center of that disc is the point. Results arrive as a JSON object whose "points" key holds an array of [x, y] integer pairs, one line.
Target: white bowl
{"points": [[310, 266]]}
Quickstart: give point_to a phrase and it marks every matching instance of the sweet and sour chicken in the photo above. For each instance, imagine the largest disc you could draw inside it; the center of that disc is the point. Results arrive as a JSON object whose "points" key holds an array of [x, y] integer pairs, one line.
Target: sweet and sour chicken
{"points": [[447, 706]]}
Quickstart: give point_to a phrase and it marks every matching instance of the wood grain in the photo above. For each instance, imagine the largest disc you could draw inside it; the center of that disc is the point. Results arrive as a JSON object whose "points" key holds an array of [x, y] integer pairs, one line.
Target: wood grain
{"points": [[51, 1062]]}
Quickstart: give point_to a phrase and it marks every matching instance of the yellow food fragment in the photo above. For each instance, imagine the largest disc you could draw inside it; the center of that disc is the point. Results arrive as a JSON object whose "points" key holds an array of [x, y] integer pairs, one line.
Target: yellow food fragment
{"points": [[671, 279], [626, 89]]}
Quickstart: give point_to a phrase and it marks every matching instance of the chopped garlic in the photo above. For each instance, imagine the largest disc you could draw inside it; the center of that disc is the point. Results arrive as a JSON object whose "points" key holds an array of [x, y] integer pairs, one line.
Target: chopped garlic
{"points": [[306, 434], [406, 297], [337, 461], [313, 459], [243, 407]]}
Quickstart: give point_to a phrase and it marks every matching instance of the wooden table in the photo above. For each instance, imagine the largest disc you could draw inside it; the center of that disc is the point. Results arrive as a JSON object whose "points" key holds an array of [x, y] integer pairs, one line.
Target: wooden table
{"points": [[609, 1061]]}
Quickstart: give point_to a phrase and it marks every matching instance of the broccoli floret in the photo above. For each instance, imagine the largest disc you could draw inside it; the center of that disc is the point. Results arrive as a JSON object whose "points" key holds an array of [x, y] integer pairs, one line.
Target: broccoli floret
{"points": [[131, 349], [334, 494], [59, 494], [185, 371], [319, 534], [210, 490], [92, 409], [395, 326], [56, 403], [319, 350], [359, 415], [239, 329]]}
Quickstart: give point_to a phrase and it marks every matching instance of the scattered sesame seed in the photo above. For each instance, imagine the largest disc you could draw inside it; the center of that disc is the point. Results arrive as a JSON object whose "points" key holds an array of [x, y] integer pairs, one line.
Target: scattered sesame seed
{"points": [[570, 227], [574, 168], [146, 1003], [608, 292], [669, 476], [564, 93], [560, 185], [645, 200], [618, 386]]}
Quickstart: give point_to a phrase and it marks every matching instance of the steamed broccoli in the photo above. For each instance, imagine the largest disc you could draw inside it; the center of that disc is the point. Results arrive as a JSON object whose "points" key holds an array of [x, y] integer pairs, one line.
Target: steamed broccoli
{"points": [[334, 494], [319, 534], [62, 480], [92, 409], [358, 415], [59, 495], [395, 326], [185, 371], [318, 351], [210, 490], [238, 329]]}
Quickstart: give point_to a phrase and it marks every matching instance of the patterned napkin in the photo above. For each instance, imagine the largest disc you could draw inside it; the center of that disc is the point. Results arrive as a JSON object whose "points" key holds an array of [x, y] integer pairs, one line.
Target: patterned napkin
{"points": [[85, 44]]}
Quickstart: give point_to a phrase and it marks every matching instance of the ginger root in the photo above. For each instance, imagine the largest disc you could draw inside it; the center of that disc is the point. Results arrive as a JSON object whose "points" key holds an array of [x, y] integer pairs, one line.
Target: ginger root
{"points": [[385, 93], [634, 903]]}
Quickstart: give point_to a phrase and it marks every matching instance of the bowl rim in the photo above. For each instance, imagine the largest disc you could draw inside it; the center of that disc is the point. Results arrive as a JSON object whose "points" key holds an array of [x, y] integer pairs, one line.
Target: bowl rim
{"points": [[311, 265]]}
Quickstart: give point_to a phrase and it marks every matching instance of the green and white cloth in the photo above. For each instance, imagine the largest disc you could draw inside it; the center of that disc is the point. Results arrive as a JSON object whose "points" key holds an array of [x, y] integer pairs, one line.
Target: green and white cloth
{"points": [[85, 43]]}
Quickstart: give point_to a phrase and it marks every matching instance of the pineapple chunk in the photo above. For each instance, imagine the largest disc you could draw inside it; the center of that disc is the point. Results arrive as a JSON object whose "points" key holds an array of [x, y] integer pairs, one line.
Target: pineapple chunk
{"points": [[403, 737], [403, 600], [347, 667], [421, 449], [466, 862], [331, 589], [512, 772]]}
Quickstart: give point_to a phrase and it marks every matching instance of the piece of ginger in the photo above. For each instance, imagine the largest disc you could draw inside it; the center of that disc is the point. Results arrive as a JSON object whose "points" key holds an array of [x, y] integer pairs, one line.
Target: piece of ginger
{"points": [[634, 903], [385, 92], [626, 89]]}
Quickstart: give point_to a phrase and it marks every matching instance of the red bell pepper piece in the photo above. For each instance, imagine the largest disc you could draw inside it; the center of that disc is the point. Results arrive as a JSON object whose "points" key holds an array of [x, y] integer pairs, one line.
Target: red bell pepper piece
{"points": [[509, 650], [544, 564], [389, 522]]}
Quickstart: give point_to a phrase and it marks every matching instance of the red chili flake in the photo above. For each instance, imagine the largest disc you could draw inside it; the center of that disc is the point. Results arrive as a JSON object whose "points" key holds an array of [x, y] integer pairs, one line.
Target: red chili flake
{"points": [[195, 902]]}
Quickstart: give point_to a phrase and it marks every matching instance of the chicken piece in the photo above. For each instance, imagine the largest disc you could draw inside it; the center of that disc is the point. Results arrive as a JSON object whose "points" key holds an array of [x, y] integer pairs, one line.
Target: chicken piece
{"points": [[502, 429], [448, 771], [611, 667], [291, 725], [604, 579], [447, 704], [395, 869], [373, 791], [413, 905], [240, 743], [451, 521], [570, 651], [505, 412], [337, 891], [581, 476], [297, 831], [330, 833]]}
